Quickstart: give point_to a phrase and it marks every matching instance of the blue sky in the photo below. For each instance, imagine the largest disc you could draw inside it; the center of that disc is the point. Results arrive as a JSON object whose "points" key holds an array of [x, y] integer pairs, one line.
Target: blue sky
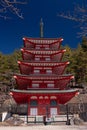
{"points": [[12, 31]]}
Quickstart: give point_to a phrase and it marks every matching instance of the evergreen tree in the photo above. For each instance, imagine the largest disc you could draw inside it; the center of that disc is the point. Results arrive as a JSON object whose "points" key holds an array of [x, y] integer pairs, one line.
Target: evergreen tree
{"points": [[8, 66]]}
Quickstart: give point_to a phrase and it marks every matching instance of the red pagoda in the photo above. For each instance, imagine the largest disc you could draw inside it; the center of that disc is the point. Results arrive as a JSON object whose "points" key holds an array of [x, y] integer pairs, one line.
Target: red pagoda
{"points": [[42, 83]]}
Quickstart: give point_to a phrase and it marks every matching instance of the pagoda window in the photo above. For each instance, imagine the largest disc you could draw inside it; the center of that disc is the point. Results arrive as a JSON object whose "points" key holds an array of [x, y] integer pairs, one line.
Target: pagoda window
{"points": [[36, 71], [53, 97], [35, 85], [50, 85], [53, 103], [33, 103], [37, 47], [46, 48], [47, 58], [37, 59], [49, 71], [33, 97]]}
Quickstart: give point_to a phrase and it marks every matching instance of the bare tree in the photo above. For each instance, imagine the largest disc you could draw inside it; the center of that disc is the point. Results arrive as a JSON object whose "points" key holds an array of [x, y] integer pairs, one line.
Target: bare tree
{"points": [[79, 14], [7, 6]]}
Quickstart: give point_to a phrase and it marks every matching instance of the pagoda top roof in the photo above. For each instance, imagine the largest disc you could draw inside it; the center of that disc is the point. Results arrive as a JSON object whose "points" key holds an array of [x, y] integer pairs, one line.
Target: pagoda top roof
{"points": [[42, 40]]}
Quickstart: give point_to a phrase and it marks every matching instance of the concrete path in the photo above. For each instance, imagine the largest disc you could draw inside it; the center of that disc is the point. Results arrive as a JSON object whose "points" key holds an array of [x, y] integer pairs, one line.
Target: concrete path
{"points": [[48, 127]]}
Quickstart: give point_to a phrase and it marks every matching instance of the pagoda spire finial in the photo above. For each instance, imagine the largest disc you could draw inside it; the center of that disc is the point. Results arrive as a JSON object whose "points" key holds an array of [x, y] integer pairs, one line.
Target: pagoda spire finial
{"points": [[41, 28]]}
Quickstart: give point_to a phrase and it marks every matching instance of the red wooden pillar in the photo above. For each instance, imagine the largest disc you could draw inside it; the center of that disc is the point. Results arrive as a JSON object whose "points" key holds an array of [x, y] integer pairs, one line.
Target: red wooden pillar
{"points": [[28, 106], [58, 108]]}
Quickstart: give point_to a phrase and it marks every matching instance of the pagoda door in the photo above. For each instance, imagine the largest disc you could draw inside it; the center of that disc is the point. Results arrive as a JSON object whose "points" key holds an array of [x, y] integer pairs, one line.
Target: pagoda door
{"points": [[53, 107], [33, 111], [53, 111], [33, 107]]}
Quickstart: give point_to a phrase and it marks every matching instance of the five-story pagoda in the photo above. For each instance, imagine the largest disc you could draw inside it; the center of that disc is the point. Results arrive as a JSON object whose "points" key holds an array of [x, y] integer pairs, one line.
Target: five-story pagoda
{"points": [[41, 82]]}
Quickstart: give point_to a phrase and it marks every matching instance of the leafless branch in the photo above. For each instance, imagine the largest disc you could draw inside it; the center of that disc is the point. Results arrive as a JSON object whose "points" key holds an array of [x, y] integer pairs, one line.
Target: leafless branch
{"points": [[7, 6], [78, 15]]}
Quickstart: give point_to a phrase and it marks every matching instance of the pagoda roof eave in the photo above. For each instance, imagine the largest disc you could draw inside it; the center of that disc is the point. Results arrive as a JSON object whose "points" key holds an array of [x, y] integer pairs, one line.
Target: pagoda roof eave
{"points": [[42, 51], [42, 40], [43, 76], [42, 63], [63, 96], [31, 91], [37, 38], [33, 61]]}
